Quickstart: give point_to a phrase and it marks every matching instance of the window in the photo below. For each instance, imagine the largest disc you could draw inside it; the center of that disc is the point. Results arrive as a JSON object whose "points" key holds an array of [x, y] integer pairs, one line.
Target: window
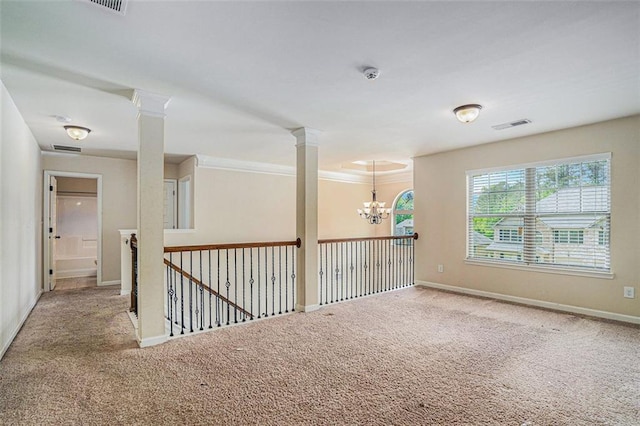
{"points": [[554, 214], [568, 236], [510, 235], [603, 238], [403, 214]]}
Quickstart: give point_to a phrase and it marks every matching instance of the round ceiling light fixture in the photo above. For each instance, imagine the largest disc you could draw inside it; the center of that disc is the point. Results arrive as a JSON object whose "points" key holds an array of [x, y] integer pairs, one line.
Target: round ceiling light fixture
{"points": [[371, 73], [467, 113], [77, 133]]}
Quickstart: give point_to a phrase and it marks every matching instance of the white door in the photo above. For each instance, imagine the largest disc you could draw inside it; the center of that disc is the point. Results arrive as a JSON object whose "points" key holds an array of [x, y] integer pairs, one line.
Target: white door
{"points": [[53, 230], [170, 207], [184, 203]]}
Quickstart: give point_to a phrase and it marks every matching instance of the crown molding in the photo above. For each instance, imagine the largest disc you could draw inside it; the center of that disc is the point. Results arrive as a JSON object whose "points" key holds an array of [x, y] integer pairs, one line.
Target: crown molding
{"points": [[406, 176], [205, 161]]}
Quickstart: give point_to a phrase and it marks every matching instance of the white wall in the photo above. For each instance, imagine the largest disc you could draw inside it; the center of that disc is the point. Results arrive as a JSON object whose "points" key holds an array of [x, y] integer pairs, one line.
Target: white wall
{"points": [[238, 206], [20, 221], [440, 211]]}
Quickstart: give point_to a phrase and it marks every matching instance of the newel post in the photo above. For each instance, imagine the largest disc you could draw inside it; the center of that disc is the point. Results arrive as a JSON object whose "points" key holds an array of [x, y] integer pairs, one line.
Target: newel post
{"points": [[150, 244], [307, 218]]}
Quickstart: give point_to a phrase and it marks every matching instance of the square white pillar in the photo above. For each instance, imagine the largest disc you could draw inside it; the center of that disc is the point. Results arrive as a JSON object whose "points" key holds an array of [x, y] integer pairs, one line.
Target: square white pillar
{"points": [[307, 218], [151, 322]]}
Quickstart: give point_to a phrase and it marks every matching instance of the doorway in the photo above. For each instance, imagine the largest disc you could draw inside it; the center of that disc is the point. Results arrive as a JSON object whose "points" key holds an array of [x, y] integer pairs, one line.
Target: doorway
{"points": [[72, 230]]}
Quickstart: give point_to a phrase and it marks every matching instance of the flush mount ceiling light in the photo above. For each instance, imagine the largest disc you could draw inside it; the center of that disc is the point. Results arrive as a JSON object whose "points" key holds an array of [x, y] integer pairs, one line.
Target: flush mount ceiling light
{"points": [[467, 113], [76, 132]]}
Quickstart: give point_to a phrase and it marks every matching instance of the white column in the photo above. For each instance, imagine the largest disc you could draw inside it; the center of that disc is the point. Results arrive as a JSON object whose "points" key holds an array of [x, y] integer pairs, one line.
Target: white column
{"points": [[151, 322], [307, 218]]}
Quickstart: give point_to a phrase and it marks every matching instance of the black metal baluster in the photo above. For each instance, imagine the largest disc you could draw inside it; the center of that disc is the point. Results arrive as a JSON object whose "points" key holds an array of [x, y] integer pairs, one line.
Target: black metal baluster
{"points": [[201, 292], [181, 295], [210, 286], [351, 269], [339, 270], [175, 292], [218, 302], [413, 246], [169, 298], [258, 256], [251, 281], [228, 285], [327, 273], [320, 273], [332, 274], [359, 258], [286, 279], [190, 292], [244, 300], [235, 285], [280, 279], [273, 281], [293, 278], [266, 282]]}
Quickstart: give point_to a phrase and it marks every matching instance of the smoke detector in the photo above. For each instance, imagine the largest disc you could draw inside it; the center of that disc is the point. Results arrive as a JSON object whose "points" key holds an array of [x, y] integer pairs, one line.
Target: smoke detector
{"points": [[371, 73]]}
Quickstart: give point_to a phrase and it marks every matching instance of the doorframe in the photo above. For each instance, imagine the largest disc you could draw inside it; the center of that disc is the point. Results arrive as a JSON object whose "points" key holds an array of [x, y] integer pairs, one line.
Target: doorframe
{"points": [[45, 221]]}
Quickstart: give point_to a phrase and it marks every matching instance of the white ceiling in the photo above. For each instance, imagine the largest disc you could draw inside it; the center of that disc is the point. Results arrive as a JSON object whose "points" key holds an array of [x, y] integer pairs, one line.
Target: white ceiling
{"points": [[242, 74]]}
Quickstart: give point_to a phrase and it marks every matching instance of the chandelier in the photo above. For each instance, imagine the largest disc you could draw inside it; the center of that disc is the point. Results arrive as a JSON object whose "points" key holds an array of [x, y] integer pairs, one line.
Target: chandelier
{"points": [[374, 211]]}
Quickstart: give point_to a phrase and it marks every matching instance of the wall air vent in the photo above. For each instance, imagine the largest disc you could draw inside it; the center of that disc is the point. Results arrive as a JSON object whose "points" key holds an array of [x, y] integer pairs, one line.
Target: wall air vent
{"points": [[66, 148], [512, 124], [118, 6]]}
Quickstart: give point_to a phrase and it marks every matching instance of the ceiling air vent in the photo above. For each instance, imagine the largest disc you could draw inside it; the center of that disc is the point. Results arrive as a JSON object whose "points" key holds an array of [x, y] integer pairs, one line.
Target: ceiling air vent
{"points": [[66, 148], [512, 124], [118, 6]]}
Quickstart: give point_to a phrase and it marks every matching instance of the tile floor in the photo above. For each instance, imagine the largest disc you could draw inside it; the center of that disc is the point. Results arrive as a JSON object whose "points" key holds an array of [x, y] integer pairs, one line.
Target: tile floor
{"points": [[75, 283]]}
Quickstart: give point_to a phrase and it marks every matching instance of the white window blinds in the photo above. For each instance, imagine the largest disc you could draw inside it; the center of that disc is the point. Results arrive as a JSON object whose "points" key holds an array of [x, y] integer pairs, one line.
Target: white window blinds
{"points": [[549, 214]]}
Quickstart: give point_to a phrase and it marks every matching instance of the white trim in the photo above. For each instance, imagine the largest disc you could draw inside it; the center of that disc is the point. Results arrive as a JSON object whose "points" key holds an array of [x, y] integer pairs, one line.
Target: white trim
{"points": [[124, 292], [243, 166], [152, 341], [175, 202], [14, 333], [397, 177], [307, 135], [559, 270], [208, 162], [581, 158], [342, 177], [307, 308], [45, 223], [134, 321], [108, 283], [150, 104], [533, 302]]}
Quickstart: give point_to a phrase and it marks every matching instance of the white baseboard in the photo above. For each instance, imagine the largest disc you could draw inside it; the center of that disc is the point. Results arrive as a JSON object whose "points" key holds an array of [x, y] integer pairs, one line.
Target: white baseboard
{"points": [[152, 341], [77, 273], [20, 324], [125, 292], [307, 308], [106, 283], [533, 302]]}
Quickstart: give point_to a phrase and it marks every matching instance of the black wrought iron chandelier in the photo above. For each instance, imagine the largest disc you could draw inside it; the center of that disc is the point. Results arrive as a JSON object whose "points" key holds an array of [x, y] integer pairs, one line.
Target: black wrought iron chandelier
{"points": [[374, 211]]}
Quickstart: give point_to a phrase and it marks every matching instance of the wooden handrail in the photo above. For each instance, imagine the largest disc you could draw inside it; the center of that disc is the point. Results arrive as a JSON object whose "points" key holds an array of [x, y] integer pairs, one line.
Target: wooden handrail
{"points": [[346, 240], [204, 286], [229, 246]]}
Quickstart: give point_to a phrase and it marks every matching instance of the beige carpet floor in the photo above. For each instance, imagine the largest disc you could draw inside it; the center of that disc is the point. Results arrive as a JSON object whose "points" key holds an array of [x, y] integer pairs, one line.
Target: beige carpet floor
{"points": [[409, 357]]}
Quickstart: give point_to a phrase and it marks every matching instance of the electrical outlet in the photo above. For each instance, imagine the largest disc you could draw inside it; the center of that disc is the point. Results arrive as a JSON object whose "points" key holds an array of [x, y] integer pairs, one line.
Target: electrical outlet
{"points": [[440, 268], [630, 292]]}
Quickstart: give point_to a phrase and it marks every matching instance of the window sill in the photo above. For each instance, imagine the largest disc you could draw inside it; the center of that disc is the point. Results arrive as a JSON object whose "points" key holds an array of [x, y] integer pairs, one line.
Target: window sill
{"points": [[543, 269]]}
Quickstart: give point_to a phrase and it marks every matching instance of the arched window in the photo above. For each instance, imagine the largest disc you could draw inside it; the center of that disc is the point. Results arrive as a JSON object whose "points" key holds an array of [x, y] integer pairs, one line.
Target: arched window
{"points": [[403, 214]]}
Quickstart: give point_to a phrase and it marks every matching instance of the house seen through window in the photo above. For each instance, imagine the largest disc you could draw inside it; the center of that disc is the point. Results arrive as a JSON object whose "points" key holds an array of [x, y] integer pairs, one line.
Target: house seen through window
{"points": [[553, 214], [403, 214]]}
